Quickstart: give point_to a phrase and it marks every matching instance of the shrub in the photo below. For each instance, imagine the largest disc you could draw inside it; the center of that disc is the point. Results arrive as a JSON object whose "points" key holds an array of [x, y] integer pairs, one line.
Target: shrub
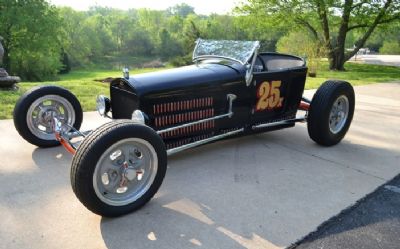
{"points": [[390, 47]]}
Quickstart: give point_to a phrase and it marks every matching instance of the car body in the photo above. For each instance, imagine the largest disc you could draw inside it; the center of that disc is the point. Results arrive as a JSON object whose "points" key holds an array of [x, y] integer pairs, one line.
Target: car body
{"points": [[188, 94], [231, 89]]}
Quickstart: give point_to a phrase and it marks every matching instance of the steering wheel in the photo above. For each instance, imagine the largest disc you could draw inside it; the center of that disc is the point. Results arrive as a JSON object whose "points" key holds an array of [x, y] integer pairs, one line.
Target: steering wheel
{"points": [[259, 58], [259, 65]]}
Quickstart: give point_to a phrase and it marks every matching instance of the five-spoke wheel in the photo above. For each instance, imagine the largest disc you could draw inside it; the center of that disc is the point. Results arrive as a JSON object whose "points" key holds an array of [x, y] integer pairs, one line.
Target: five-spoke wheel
{"points": [[125, 171], [118, 168], [35, 111]]}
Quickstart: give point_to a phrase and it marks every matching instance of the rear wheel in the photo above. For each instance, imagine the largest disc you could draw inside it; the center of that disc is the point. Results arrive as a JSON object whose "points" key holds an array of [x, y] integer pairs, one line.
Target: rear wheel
{"points": [[331, 112], [35, 110], [118, 168]]}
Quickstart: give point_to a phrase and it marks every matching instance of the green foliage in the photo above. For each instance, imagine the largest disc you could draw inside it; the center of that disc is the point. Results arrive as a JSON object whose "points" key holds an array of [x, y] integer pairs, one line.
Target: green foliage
{"points": [[182, 10], [32, 44], [333, 22], [181, 60], [302, 44], [42, 40], [83, 83], [168, 47], [390, 47]]}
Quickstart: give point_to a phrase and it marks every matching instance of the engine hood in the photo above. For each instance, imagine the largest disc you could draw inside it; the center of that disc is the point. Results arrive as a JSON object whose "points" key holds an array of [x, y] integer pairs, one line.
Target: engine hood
{"points": [[186, 77]]}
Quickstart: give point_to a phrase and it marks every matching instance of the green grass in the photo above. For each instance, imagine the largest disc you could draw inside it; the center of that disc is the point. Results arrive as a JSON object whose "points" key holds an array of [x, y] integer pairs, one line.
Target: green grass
{"points": [[82, 83], [356, 74]]}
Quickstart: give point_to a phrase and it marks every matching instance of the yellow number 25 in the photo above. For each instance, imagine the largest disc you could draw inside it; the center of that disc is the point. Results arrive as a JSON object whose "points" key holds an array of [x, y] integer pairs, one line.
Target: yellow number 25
{"points": [[269, 95]]}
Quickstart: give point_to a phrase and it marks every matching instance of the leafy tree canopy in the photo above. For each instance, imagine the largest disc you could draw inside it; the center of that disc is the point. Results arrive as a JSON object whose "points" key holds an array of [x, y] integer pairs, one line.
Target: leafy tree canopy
{"points": [[330, 21], [30, 29]]}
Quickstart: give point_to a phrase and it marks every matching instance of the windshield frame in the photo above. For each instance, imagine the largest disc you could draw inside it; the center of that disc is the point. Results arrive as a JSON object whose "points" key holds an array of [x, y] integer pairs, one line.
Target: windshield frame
{"points": [[196, 58]]}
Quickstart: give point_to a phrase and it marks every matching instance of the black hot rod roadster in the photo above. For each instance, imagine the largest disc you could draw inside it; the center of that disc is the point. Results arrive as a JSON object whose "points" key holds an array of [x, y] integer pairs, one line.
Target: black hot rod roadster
{"points": [[230, 90]]}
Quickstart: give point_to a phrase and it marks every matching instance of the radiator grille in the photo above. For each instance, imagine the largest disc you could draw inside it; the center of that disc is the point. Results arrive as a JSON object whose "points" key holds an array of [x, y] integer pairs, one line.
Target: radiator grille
{"points": [[123, 103], [175, 113], [182, 105]]}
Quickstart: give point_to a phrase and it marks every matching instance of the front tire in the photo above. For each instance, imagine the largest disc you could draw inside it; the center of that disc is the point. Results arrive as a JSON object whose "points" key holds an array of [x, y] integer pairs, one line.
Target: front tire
{"points": [[118, 168], [34, 111], [331, 112]]}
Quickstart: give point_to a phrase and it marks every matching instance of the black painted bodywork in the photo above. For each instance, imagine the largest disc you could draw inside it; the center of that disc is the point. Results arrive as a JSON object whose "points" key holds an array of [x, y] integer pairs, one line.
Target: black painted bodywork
{"points": [[177, 96]]}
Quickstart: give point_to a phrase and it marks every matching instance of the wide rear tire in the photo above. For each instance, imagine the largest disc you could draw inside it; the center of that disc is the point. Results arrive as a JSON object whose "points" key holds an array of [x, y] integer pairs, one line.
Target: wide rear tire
{"points": [[118, 168], [331, 112]]}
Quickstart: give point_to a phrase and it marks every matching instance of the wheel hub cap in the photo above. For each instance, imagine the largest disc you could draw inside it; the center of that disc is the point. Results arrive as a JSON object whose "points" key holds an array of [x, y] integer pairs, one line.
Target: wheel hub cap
{"points": [[339, 113], [39, 117], [125, 171]]}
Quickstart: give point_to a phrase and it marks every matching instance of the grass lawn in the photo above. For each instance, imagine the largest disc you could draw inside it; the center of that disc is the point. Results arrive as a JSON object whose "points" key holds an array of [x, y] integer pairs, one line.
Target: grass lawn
{"points": [[82, 83], [356, 74]]}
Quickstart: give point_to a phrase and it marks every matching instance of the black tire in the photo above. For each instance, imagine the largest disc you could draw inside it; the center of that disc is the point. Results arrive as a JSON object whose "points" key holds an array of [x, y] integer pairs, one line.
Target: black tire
{"points": [[24, 103], [91, 150], [320, 108]]}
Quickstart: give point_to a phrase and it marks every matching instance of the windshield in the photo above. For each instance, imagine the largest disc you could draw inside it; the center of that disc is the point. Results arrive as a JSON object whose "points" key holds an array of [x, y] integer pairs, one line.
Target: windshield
{"points": [[240, 51]]}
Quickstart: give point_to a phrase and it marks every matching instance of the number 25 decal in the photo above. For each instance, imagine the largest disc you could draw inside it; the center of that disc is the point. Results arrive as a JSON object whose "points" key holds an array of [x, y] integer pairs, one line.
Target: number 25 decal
{"points": [[269, 95]]}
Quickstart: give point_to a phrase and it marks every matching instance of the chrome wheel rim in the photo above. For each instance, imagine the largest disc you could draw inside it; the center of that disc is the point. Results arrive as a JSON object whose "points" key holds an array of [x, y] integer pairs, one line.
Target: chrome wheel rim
{"points": [[125, 171], [40, 115], [339, 114]]}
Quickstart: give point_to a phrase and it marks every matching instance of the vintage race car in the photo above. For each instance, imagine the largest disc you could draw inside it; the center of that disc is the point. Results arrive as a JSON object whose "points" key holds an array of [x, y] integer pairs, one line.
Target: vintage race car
{"points": [[231, 89]]}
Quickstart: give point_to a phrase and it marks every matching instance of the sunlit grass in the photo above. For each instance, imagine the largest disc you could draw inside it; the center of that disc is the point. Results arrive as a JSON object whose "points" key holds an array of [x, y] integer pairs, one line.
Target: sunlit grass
{"points": [[82, 83], [356, 74]]}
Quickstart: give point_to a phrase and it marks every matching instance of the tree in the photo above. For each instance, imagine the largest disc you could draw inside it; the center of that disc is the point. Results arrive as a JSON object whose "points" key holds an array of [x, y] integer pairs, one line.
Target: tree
{"points": [[330, 21], [260, 27], [168, 46], [182, 10], [306, 47], [390, 47], [32, 46], [78, 38]]}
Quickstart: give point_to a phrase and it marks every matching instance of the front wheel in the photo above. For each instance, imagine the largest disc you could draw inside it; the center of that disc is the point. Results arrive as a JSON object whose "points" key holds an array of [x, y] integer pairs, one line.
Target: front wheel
{"points": [[331, 112], [118, 168]]}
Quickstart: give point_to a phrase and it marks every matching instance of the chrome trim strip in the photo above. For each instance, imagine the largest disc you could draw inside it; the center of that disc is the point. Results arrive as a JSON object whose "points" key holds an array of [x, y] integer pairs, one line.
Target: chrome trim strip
{"points": [[75, 134], [195, 122], [283, 122], [249, 72], [201, 142], [205, 57]]}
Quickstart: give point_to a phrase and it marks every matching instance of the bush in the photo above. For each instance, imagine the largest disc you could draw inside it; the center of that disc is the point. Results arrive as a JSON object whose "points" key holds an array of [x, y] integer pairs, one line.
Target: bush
{"points": [[303, 45], [390, 47], [181, 61]]}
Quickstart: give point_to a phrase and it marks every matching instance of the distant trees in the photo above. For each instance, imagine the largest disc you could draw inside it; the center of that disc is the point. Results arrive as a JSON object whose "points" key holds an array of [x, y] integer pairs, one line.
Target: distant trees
{"points": [[42, 40], [31, 32], [390, 47], [182, 10], [303, 45]]}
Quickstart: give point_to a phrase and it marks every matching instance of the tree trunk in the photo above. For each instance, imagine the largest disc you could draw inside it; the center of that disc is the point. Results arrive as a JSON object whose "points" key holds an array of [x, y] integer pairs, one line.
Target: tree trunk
{"points": [[337, 59], [7, 48], [6, 60]]}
